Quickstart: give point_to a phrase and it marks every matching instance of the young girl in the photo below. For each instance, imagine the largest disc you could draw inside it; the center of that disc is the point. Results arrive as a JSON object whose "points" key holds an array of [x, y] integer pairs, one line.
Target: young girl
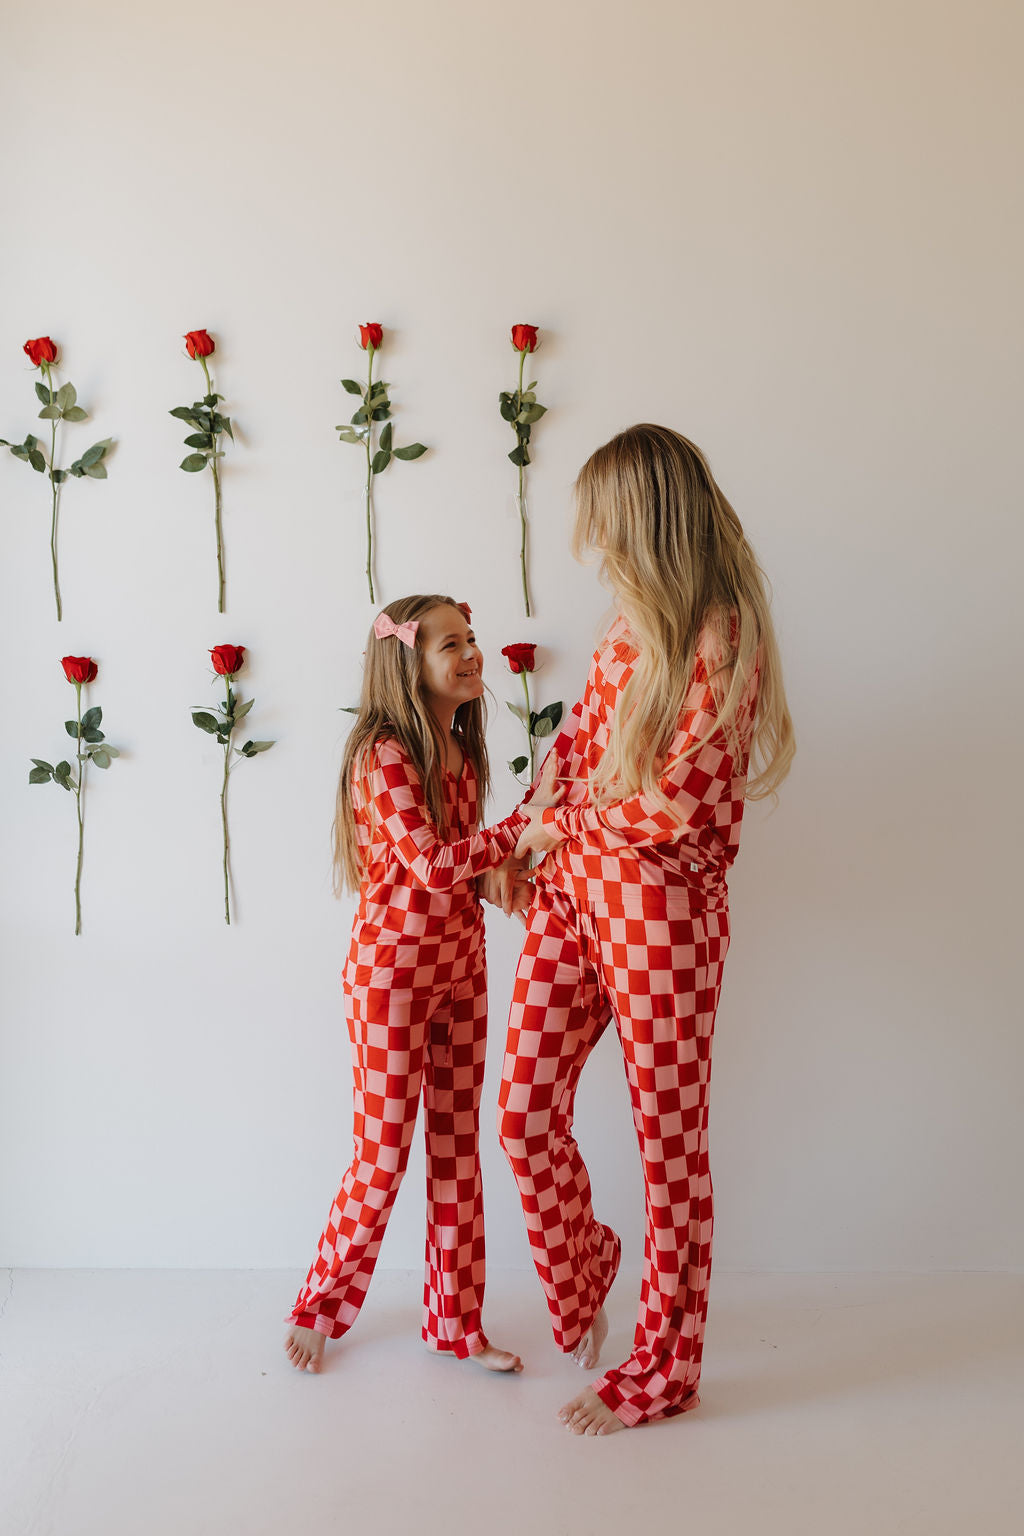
{"points": [[630, 919], [413, 777]]}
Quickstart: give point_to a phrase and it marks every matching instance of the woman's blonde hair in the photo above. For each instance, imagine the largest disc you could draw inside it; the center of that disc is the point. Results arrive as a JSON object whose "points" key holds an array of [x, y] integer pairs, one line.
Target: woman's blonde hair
{"points": [[392, 704], [674, 553]]}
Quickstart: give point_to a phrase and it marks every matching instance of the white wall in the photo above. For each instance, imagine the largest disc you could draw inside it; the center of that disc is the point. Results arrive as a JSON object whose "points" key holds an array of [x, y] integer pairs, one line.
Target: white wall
{"points": [[787, 228]]}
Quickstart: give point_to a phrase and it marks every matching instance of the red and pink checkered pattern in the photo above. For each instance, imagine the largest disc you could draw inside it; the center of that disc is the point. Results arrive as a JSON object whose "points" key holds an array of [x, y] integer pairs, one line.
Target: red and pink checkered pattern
{"points": [[629, 922], [665, 863], [416, 988]]}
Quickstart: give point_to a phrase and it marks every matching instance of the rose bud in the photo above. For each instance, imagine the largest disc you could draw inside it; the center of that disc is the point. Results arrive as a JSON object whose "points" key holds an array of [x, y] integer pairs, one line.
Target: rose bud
{"points": [[198, 343], [40, 351], [524, 338], [371, 336], [79, 669], [520, 658], [228, 659]]}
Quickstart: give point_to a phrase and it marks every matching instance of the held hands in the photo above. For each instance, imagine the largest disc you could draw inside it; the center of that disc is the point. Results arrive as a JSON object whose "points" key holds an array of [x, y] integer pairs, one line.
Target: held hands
{"points": [[509, 887]]}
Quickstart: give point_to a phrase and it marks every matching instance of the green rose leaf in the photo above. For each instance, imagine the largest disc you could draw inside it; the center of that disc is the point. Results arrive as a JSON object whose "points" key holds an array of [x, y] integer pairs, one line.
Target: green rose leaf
{"points": [[205, 722], [40, 775], [185, 413], [92, 735], [519, 456], [352, 387], [66, 396], [349, 435], [71, 726], [243, 709], [260, 746], [413, 451], [50, 413], [75, 413], [41, 762], [62, 773], [45, 395], [381, 414], [36, 459], [101, 758], [551, 713], [517, 710], [199, 440], [92, 455], [380, 462], [541, 726], [532, 413], [359, 417], [223, 424], [92, 717], [60, 475], [517, 764], [385, 437], [96, 471], [193, 463]]}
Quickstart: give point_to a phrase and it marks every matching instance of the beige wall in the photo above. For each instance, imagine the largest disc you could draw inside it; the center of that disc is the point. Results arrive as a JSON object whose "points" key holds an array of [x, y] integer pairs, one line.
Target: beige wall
{"points": [[792, 230]]}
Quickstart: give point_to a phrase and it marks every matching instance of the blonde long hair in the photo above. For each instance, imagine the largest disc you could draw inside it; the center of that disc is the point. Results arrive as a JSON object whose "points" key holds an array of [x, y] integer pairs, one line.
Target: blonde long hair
{"points": [[674, 553], [392, 704]]}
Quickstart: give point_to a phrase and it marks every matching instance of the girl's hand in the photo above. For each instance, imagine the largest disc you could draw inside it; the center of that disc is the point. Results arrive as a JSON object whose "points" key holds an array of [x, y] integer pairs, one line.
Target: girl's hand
{"points": [[549, 790], [535, 837]]}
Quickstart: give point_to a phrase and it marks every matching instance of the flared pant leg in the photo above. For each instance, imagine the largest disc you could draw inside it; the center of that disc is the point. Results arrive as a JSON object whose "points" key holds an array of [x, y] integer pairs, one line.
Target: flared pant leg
{"points": [[663, 978], [558, 1014], [401, 1045]]}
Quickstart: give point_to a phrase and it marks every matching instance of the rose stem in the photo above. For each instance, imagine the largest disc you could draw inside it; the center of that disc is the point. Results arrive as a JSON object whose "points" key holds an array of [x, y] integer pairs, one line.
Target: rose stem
{"points": [[529, 731], [216, 495], [224, 799], [519, 499], [369, 474], [81, 822], [54, 489]]}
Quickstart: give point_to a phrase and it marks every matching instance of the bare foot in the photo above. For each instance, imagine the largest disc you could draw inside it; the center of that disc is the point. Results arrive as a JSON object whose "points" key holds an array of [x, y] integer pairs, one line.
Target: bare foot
{"points": [[497, 1360], [588, 1415], [588, 1351], [305, 1348]]}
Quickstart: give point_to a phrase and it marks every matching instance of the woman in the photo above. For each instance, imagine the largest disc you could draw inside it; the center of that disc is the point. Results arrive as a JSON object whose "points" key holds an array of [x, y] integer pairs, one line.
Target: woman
{"points": [[684, 718]]}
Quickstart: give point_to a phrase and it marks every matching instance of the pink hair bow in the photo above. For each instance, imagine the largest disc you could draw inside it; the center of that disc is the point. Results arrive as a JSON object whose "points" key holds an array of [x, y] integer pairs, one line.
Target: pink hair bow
{"points": [[383, 626], [466, 611]]}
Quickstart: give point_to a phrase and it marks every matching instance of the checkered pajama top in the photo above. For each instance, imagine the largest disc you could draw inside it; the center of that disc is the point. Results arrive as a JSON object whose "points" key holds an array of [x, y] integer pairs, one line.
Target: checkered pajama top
{"points": [[631, 855], [418, 905]]}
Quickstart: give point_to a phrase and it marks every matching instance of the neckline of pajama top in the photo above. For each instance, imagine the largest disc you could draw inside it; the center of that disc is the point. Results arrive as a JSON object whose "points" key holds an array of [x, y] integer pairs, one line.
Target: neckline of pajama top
{"points": [[630, 857]]}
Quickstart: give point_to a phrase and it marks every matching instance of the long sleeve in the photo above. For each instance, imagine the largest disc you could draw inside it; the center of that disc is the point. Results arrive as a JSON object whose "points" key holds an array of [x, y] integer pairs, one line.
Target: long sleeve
{"points": [[693, 785], [397, 808]]}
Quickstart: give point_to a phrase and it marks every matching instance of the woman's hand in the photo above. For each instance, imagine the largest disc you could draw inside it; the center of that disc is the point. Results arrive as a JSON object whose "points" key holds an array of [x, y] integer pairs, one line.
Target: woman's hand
{"points": [[535, 837]]}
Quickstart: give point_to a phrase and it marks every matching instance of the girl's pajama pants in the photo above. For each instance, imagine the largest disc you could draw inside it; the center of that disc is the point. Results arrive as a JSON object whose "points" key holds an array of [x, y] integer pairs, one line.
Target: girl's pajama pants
{"points": [[400, 1045], [659, 978]]}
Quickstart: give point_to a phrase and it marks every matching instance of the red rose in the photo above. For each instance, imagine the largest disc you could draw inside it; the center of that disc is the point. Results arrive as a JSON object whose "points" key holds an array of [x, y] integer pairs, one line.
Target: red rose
{"points": [[228, 659], [371, 336], [520, 658], [79, 669], [198, 343], [42, 350], [524, 338]]}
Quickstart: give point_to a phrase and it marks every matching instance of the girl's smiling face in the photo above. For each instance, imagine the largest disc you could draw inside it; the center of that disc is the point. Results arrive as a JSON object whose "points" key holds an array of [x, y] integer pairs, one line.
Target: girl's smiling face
{"points": [[451, 659]]}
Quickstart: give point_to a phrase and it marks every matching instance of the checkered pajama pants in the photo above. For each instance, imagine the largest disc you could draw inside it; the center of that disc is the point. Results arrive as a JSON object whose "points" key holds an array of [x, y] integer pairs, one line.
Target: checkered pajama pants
{"points": [[659, 978], [400, 1045]]}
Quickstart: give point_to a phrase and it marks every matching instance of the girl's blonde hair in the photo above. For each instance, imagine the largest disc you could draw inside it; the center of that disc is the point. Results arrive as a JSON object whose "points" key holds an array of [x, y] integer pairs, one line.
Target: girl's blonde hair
{"points": [[392, 704], [673, 551]]}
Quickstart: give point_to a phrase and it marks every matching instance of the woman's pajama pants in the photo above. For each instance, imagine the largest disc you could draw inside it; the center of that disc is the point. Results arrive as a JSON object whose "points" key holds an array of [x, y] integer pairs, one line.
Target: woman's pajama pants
{"points": [[401, 1043], [659, 978]]}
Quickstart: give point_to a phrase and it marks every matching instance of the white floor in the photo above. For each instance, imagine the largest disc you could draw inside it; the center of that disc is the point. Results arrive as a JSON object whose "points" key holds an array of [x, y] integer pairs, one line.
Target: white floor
{"points": [[160, 1403]]}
